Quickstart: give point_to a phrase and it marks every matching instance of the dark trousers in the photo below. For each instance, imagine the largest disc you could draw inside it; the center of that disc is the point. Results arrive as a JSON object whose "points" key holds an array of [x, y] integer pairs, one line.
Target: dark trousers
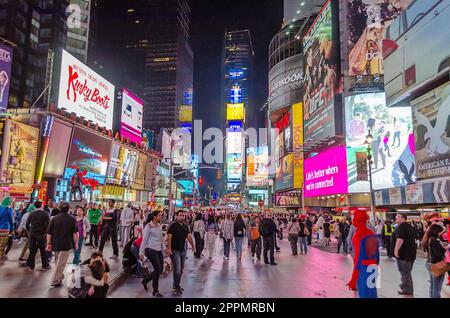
{"points": [[199, 244], [109, 232], [35, 245], [275, 241], [256, 247], [405, 269], [293, 239], [310, 236], [93, 235], [388, 246], [269, 247], [156, 258], [340, 241], [9, 245], [226, 247]]}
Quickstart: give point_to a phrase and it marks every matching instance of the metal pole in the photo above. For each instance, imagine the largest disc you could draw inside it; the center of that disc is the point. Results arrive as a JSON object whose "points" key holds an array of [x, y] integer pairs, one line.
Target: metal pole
{"points": [[170, 190], [372, 205]]}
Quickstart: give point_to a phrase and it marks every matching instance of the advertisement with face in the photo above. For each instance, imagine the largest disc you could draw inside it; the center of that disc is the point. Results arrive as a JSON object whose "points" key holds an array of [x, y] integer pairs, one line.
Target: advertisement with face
{"points": [[285, 172], [367, 21], [322, 80], [88, 152], [6, 57], [288, 139], [132, 109], [392, 146], [19, 155], [392, 150], [286, 200], [85, 93], [257, 166], [432, 130], [326, 173]]}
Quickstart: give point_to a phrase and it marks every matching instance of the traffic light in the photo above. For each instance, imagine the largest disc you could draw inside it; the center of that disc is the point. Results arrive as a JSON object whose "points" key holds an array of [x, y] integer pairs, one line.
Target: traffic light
{"points": [[200, 181]]}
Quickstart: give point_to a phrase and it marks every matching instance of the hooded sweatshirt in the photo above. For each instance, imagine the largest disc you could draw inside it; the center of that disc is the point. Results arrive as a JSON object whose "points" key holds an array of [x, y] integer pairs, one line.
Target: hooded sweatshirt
{"points": [[6, 215]]}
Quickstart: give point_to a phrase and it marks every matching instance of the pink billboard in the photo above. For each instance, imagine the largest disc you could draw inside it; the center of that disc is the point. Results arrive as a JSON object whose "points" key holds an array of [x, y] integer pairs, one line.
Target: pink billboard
{"points": [[132, 113], [326, 173]]}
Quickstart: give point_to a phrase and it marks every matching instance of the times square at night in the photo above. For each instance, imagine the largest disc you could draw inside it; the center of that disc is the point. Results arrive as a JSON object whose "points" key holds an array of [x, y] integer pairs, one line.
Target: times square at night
{"points": [[223, 155]]}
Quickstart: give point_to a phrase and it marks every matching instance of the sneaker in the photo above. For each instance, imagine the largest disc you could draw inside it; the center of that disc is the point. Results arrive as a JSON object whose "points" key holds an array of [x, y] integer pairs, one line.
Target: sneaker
{"points": [[273, 263], [176, 291], [114, 257], [46, 268], [157, 294]]}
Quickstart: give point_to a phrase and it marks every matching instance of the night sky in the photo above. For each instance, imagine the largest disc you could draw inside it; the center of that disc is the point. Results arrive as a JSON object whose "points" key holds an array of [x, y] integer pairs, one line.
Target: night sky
{"points": [[209, 20]]}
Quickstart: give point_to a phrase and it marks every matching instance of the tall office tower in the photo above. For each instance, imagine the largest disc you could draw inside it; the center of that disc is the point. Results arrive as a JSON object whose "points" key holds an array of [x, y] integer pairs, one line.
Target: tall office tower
{"points": [[237, 70], [158, 60], [77, 42]]}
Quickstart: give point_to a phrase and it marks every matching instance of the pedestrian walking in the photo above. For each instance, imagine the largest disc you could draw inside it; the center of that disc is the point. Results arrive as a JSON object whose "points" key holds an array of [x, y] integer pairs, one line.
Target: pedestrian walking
{"points": [[126, 220], [303, 234], [211, 230], [239, 234], [6, 226], [94, 217], [226, 232], [62, 238], [177, 234], [152, 247], [83, 229], [293, 233], [309, 225], [37, 225], [405, 251], [268, 230], [255, 236], [23, 231], [109, 229], [199, 235]]}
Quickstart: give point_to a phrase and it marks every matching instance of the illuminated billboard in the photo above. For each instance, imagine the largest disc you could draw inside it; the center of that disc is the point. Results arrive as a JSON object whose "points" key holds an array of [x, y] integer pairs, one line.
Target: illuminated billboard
{"points": [[234, 142], [391, 128], [285, 172], [85, 93], [185, 113], [235, 112], [131, 120], [297, 140], [6, 58], [257, 166]]}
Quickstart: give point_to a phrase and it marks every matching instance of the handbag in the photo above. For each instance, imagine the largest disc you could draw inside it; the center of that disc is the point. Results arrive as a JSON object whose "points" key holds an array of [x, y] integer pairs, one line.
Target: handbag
{"points": [[440, 268]]}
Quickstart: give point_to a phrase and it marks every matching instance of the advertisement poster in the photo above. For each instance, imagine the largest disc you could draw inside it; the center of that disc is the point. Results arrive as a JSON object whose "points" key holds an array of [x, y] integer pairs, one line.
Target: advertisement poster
{"points": [[361, 166], [297, 130], [139, 182], [187, 186], [288, 139], [88, 152], [395, 196], [286, 200], [235, 112], [414, 194], [432, 131], [322, 79], [285, 173], [367, 21], [280, 143], [85, 93], [234, 142], [257, 166], [234, 170], [392, 148], [132, 113], [19, 156], [234, 188], [6, 57], [326, 173]]}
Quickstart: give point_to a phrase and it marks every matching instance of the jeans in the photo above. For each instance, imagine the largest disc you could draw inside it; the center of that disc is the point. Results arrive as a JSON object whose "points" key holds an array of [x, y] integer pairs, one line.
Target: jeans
{"points": [[340, 241], [109, 231], [238, 241], [77, 253], [304, 244], [35, 245], [156, 258], [405, 269], [199, 244], [293, 239], [269, 247], [435, 282], [226, 247], [93, 235], [135, 252], [178, 259], [256, 247]]}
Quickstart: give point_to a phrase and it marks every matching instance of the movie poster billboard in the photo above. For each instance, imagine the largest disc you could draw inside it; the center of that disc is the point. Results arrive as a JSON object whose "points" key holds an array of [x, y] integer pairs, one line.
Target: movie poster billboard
{"points": [[139, 180], [431, 114], [19, 156], [287, 200], [285, 172], [132, 114], [257, 166], [85, 93], [322, 74], [6, 57], [392, 148], [297, 131], [367, 21], [88, 152]]}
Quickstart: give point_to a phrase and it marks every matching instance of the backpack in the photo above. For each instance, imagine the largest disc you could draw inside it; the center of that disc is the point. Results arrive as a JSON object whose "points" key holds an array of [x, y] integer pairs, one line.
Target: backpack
{"points": [[254, 233]]}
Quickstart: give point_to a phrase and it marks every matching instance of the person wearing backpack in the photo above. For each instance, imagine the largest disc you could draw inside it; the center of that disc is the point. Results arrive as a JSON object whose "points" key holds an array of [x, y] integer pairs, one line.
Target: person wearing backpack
{"points": [[255, 237], [6, 226], [303, 234], [239, 234], [293, 233], [268, 230]]}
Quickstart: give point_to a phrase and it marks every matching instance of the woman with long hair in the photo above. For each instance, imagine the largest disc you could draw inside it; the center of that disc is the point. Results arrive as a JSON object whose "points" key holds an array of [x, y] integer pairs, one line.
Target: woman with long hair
{"points": [[239, 234], [83, 230], [211, 229], [226, 229], [432, 244], [199, 235]]}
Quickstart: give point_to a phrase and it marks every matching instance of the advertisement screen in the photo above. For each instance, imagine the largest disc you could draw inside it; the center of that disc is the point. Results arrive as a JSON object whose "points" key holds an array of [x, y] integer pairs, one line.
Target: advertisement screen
{"points": [[297, 130], [19, 155], [234, 170], [392, 146], [88, 152], [286, 200], [187, 185], [55, 163], [280, 142], [431, 114], [235, 111], [257, 166], [132, 109], [6, 57], [322, 78], [85, 93], [288, 139], [285, 172], [326, 173], [367, 22], [234, 188], [234, 142], [185, 113], [139, 180]]}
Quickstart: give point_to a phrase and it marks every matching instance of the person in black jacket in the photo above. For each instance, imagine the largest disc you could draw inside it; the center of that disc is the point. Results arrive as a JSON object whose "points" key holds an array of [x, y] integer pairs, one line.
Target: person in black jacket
{"points": [[268, 230], [436, 254], [36, 226], [239, 234], [309, 226], [109, 229]]}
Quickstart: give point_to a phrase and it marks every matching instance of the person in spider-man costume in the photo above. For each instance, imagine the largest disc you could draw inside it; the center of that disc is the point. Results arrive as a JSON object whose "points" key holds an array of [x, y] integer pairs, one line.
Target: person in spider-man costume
{"points": [[366, 258]]}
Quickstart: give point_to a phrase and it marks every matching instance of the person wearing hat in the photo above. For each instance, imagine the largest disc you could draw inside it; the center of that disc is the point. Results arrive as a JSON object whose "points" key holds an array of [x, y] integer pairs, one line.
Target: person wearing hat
{"points": [[126, 219], [23, 231], [6, 225]]}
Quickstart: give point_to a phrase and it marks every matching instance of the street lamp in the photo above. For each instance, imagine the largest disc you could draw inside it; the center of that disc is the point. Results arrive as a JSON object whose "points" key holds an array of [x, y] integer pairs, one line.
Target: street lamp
{"points": [[369, 140]]}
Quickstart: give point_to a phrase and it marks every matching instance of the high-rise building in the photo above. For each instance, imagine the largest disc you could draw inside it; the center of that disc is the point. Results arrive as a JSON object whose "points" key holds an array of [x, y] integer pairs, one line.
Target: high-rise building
{"points": [[79, 30], [158, 59]]}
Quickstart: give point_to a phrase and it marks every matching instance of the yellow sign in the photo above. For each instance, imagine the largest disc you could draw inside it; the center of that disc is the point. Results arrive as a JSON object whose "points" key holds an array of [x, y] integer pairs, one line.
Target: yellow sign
{"points": [[185, 113], [297, 127], [235, 112]]}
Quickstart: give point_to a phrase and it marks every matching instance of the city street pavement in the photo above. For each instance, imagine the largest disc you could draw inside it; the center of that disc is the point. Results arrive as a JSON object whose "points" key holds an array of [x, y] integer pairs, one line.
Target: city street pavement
{"points": [[319, 274], [18, 282]]}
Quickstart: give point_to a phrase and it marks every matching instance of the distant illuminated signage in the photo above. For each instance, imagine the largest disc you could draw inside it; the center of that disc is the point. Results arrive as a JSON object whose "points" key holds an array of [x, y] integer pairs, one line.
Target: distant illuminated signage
{"points": [[234, 126], [236, 95], [235, 112]]}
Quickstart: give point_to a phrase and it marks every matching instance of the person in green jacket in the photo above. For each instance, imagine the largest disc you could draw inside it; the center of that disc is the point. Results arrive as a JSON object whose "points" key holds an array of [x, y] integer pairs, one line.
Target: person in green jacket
{"points": [[94, 217]]}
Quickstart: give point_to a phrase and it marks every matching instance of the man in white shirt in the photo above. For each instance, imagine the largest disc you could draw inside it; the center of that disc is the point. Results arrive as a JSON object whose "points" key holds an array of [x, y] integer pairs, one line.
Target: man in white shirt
{"points": [[126, 218]]}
